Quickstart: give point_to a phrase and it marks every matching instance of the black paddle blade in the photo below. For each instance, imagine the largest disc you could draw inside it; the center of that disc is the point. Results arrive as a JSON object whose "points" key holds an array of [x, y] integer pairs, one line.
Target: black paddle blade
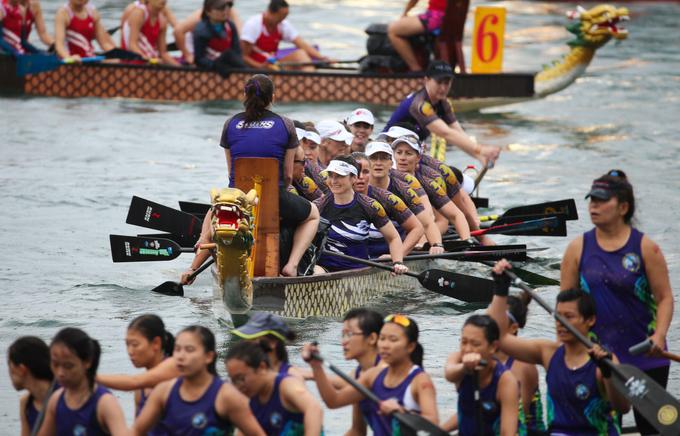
{"points": [[412, 424], [462, 287], [552, 226], [194, 208], [135, 249], [145, 213], [651, 400], [550, 208], [533, 278], [172, 289], [480, 202], [519, 218]]}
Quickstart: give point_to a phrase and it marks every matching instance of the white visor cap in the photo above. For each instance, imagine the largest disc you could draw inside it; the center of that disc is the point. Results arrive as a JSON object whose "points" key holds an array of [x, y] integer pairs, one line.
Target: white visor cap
{"points": [[334, 130], [412, 142], [339, 167], [361, 115]]}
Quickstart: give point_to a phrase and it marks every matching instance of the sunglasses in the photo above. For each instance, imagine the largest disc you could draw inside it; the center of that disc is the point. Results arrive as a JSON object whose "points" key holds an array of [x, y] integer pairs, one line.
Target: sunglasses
{"points": [[299, 161], [402, 320]]}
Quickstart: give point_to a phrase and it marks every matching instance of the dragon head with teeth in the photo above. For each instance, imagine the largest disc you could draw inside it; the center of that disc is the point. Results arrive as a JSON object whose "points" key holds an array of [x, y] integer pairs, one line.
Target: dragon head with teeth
{"points": [[596, 26]]}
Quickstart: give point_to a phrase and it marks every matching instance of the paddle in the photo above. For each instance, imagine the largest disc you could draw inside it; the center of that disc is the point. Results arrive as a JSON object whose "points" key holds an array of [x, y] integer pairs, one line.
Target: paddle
{"points": [[517, 253], [650, 399], [316, 62], [197, 209], [175, 289], [119, 53], [459, 286], [552, 226], [136, 249], [565, 208], [145, 213], [38, 63], [415, 422], [646, 345], [479, 177]]}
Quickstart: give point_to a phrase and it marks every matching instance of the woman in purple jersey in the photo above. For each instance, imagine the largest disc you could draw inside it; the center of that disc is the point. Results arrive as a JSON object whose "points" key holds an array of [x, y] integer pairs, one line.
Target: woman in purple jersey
{"points": [[197, 402], [149, 346], [627, 276], [281, 403], [80, 406], [28, 360]]}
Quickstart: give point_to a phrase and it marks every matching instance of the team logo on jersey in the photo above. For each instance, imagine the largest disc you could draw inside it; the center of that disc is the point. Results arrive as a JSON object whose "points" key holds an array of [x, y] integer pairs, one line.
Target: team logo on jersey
{"points": [[255, 125], [309, 185], [275, 419], [199, 420], [582, 392], [413, 196], [412, 181], [631, 262], [438, 188], [79, 430], [380, 211], [426, 109], [397, 203]]}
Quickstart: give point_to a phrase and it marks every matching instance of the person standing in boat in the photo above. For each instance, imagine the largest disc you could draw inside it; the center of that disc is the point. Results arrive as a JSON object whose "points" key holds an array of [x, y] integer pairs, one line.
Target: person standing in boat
{"points": [[28, 361], [407, 26], [281, 403], [399, 382], [626, 274], [197, 402], [144, 32], [488, 391], [581, 398], [77, 23], [16, 21], [350, 215], [360, 123], [262, 34], [216, 41], [409, 228], [80, 406], [430, 111]]}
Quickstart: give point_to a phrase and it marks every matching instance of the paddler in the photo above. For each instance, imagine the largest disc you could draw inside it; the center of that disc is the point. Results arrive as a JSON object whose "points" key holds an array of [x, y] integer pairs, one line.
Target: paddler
{"points": [[360, 123], [216, 40], [407, 26], [350, 215], [302, 184], [16, 21], [409, 228], [183, 32], [380, 161], [144, 32], [581, 395], [261, 35], [335, 141], [76, 24], [430, 111], [626, 274]]}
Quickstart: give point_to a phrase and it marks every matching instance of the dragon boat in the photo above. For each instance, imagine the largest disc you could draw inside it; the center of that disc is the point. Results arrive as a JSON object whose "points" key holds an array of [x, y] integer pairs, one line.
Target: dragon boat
{"points": [[592, 29]]}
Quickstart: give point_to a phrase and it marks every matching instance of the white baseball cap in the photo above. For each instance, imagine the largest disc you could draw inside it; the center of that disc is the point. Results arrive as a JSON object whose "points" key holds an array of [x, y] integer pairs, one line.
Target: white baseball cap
{"points": [[339, 167], [361, 115], [412, 142], [396, 132], [308, 134], [378, 147], [334, 130]]}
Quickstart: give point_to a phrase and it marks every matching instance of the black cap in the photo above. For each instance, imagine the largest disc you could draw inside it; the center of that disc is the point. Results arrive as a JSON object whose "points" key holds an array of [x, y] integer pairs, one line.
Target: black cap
{"points": [[604, 189], [439, 69]]}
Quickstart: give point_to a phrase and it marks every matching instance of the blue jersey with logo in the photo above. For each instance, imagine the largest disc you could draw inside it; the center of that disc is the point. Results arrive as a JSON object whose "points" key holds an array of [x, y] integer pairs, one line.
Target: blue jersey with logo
{"points": [[270, 136], [417, 109], [491, 408], [575, 404], [384, 425], [82, 421], [195, 418], [625, 305], [273, 417]]}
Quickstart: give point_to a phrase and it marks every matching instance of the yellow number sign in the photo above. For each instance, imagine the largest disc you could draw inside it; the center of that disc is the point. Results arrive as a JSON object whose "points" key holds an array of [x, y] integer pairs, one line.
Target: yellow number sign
{"points": [[487, 40]]}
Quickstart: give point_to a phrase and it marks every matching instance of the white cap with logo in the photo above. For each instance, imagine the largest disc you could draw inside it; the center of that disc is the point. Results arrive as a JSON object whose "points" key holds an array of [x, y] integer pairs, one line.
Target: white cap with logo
{"points": [[396, 132], [334, 130], [340, 167], [361, 115], [412, 142], [378, 147]]}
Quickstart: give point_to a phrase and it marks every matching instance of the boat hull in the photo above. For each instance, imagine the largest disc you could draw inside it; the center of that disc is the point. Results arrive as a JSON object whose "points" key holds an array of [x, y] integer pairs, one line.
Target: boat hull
{"points": [[160, 83]]}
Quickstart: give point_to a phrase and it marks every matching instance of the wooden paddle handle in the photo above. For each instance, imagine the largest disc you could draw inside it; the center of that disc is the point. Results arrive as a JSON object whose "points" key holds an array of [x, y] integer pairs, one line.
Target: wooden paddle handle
{"points": [[208, 246]]}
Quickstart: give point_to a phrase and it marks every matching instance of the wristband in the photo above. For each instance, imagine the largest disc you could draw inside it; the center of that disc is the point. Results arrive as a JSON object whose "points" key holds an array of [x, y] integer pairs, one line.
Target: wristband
{"points": [[398, 262], [437, 244], [501, 284]]}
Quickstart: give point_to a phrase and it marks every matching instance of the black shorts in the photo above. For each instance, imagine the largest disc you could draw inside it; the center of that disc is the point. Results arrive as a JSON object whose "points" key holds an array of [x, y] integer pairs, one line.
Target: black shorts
{"points": [[293, 209]]}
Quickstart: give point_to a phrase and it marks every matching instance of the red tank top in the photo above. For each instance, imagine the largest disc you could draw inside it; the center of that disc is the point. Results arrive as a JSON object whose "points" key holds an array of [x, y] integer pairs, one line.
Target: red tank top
{"points": [[266, 45], [148, 34], [437, 5], [16, 27], [216, 46], [80, 32]]}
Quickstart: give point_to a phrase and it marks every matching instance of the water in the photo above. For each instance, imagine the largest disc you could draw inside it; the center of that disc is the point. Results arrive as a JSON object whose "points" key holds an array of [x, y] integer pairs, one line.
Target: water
{"points": [[69, 168]]}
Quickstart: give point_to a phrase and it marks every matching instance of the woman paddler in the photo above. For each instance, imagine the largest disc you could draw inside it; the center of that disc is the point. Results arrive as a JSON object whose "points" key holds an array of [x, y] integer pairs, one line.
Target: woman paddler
{"points": [[149, 346], [281, 403], [144, 32], [16, 21], [488, 394], [28, 361], [407, 152], [183, 32], [409, 228], [80, 406], [76, 25], [350, 215], [581, 397], [401, 384], [216, 40], [626, 274], [197, 402]]}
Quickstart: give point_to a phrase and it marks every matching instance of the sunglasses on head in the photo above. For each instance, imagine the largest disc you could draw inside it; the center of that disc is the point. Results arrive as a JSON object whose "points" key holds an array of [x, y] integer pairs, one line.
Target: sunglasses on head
{"points": [[402, 320]]}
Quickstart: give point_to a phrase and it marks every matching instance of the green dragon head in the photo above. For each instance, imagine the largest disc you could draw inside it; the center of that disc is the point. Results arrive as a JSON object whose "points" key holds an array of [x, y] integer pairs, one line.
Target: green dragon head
{"points": [[596, 26]]}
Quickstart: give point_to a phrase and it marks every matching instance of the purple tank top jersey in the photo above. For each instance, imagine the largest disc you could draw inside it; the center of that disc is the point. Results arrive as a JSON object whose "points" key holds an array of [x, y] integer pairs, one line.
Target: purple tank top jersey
{"points": [[158, 429], [624, 303], [30, 412], [382, 425], [273, 417], [366, 406], [82, 421], [398, 213], [575, 404], [194, 418], [491, 408]]}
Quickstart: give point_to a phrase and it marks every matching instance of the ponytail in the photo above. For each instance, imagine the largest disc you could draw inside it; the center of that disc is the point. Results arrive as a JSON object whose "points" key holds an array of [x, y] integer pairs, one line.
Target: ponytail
{"points": [[412, 332], [83, 346], [259, 93], [417, 355]]}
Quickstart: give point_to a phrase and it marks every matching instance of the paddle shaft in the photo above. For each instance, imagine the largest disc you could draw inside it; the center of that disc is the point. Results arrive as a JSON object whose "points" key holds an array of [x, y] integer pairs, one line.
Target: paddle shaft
{"points": [[471, 255], [646, 345], [202, 268], [479, 177], [315, 63], [367, 262]]}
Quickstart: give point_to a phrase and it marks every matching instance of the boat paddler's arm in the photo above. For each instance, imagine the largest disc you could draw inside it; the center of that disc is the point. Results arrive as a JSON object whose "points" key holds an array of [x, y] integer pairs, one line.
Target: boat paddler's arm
{"points": [[656, 271], [135, 23], [310, 50], [170, 16], [410, 5], [180, 32], [165, 370], [414, 231], [396, 247], [103, 38], [163, 46], [432, 234], [334, 398], [457, 137], [45, 37], [60, 24], [247, 49]]}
